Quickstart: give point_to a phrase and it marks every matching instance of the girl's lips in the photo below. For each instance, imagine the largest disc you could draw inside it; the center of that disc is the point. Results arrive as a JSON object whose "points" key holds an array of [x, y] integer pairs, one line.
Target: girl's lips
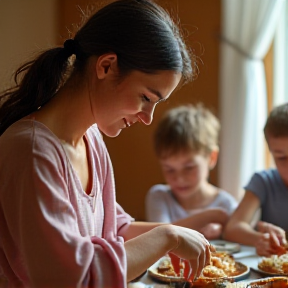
{"points": [[126, 123]]}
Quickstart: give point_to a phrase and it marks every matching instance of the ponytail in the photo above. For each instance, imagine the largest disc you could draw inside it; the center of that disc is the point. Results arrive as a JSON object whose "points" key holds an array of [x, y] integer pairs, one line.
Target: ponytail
{"points": [[43, 77]]}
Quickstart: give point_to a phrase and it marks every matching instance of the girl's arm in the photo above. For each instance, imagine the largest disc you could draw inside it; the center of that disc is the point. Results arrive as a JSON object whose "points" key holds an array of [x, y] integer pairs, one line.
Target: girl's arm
{"points": [[144, 250]]}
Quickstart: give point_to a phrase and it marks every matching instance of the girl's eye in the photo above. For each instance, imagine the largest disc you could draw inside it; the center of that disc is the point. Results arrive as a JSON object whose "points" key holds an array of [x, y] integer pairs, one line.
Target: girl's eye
{"points": [[146, 98]]}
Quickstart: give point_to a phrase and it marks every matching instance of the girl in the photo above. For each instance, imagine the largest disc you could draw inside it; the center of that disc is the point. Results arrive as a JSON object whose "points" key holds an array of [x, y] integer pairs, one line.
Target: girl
{"points": [[60, 223]]}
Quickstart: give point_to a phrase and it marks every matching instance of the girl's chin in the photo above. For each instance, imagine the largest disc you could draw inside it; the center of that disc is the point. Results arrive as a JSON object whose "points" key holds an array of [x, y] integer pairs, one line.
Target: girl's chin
{"points": [[110, 132]]}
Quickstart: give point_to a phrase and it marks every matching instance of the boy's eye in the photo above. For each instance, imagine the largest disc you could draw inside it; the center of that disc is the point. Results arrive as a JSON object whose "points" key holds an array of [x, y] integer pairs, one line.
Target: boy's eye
{"points": [[190, 167], [282, 158], [146, 98]]}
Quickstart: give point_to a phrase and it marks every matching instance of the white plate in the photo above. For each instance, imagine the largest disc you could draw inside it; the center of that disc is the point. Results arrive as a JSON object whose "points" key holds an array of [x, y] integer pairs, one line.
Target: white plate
{"points": [[255, 268], [226, 246], [266, 282], [153, 273]]}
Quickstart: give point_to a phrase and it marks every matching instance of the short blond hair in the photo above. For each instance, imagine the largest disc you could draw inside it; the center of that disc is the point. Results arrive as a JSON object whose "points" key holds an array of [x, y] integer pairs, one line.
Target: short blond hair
{"points": [[277, 122], [187, 128]]}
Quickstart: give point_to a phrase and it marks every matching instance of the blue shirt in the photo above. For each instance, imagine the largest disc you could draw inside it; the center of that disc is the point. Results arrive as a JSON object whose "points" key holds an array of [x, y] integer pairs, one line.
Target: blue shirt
{"points": [[269, 187]]}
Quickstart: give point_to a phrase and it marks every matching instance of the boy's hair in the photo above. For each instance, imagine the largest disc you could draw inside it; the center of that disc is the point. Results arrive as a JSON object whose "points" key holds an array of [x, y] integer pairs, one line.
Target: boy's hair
{"points": [[277, 122], [186, 128]]}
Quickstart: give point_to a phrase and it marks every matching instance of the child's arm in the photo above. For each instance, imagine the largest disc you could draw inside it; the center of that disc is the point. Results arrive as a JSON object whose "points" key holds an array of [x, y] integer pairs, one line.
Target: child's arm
{"points": [[201, 219], [239, 228]]}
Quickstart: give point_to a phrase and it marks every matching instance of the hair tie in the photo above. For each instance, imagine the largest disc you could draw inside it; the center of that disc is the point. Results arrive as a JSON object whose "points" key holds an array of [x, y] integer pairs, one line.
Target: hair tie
{"points": [[71, 47]]}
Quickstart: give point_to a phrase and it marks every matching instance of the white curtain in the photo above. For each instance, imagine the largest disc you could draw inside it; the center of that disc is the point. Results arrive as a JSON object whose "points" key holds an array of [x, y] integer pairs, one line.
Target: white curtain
{"points": [[248, 27], [280, 59]]}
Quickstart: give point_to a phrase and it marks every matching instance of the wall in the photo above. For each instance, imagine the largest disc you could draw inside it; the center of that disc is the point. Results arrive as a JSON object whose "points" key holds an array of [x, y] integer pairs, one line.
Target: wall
{"points": [[25, 27], [136, 168]]}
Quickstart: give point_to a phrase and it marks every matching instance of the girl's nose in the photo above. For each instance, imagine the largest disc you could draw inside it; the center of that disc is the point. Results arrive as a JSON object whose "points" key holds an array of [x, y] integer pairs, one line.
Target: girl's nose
{"points": [[146, 116]]}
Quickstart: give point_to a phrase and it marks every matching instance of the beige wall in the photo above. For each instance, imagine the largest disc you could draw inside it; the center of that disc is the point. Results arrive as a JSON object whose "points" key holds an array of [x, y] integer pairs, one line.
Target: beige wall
{"points": [[25, 26]]}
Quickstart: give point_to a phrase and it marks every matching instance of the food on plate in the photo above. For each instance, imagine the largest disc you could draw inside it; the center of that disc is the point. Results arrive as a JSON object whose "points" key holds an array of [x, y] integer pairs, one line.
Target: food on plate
{"points": [[271, 282], [222, 265], [275, 264], [165, 267]]}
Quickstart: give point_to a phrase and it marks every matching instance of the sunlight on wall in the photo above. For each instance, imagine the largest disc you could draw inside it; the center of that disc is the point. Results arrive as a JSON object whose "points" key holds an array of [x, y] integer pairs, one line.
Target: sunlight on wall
{"points": [[25, 26]]}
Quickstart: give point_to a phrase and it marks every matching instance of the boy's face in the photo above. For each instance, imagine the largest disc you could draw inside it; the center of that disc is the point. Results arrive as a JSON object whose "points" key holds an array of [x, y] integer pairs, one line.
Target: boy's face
{"points": [[278, 147], [186, 172]]}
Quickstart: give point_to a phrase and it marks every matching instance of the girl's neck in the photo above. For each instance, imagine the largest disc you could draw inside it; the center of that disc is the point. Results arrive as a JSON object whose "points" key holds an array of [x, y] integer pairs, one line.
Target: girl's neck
{"points": [[62, 114]]}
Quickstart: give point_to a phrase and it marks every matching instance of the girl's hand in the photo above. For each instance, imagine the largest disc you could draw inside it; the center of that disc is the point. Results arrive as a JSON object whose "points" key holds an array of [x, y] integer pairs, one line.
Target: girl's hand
{"points": [[212, 231], [194, 249]]}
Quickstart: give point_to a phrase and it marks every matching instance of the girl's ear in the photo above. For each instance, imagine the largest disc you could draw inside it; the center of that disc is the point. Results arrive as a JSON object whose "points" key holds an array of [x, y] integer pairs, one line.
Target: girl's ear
{"points": [[106, 64], [213, 158]]}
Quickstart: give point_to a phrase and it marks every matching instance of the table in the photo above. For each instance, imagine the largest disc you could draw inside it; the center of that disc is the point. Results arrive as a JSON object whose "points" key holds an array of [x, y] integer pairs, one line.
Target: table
{"points": [[247, 256]]}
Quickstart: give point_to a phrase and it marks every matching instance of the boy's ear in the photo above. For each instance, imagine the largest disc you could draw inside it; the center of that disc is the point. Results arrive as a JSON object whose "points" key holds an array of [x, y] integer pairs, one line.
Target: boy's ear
{"points": [[213, 158], [106, 64]]}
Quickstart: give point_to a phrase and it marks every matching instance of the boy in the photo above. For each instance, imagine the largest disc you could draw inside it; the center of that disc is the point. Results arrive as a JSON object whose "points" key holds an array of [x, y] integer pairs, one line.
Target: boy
{"points": [[267, 190], [186, 144]]}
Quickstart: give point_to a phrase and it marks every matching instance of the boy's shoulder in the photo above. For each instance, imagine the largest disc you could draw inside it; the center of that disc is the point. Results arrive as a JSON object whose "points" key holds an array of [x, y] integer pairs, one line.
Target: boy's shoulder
{"points": [[271, 173], [226, 197], [159, 188]]}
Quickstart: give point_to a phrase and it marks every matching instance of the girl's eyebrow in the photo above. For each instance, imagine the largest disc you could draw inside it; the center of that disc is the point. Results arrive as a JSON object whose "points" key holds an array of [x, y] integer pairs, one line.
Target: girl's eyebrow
{"points": [[157, 93]]}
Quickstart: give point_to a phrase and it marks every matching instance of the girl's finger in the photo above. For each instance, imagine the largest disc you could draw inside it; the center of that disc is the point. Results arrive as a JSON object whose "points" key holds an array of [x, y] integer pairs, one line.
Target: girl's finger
{"points": [[193, 270], [209, 250]]}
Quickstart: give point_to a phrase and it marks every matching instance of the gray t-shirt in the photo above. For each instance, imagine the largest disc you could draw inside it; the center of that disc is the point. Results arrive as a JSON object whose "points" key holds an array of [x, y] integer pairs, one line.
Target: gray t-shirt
{"points": [[269, 187], [161, 206]]}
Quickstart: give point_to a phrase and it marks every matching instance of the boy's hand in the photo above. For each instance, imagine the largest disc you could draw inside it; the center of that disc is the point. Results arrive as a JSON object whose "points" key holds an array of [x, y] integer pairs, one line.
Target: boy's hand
{"points": [[266, 227], [212, 231], [269, 244], [276, 239]]}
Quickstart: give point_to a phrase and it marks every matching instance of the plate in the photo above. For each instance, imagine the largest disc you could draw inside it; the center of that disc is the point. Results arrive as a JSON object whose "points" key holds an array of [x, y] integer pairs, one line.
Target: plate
{"points": [[226, 246], [271, 282], [265, 273], [153, 273]]}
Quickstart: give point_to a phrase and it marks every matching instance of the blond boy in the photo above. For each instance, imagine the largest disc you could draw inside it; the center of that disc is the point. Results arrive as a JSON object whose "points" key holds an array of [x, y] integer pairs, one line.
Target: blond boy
{"points": [[186, 144]]}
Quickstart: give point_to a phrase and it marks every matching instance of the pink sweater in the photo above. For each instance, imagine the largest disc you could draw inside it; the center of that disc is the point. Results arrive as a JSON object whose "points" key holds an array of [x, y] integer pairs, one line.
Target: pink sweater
{"points": [[52, 234]]}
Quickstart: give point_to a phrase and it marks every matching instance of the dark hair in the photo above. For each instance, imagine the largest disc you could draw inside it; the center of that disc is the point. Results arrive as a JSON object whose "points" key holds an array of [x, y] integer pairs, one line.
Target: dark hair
{"points": [[139, 32], [186, 128], [277, 122]]}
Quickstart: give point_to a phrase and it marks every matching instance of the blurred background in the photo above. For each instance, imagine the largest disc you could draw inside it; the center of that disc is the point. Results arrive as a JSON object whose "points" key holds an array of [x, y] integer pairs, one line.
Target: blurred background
{"points": [[32, 25]]}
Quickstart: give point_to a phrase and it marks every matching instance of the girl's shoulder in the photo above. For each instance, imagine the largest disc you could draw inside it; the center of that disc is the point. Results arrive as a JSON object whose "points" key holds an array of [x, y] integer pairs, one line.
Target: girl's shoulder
{"points": [[29, 134]]}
